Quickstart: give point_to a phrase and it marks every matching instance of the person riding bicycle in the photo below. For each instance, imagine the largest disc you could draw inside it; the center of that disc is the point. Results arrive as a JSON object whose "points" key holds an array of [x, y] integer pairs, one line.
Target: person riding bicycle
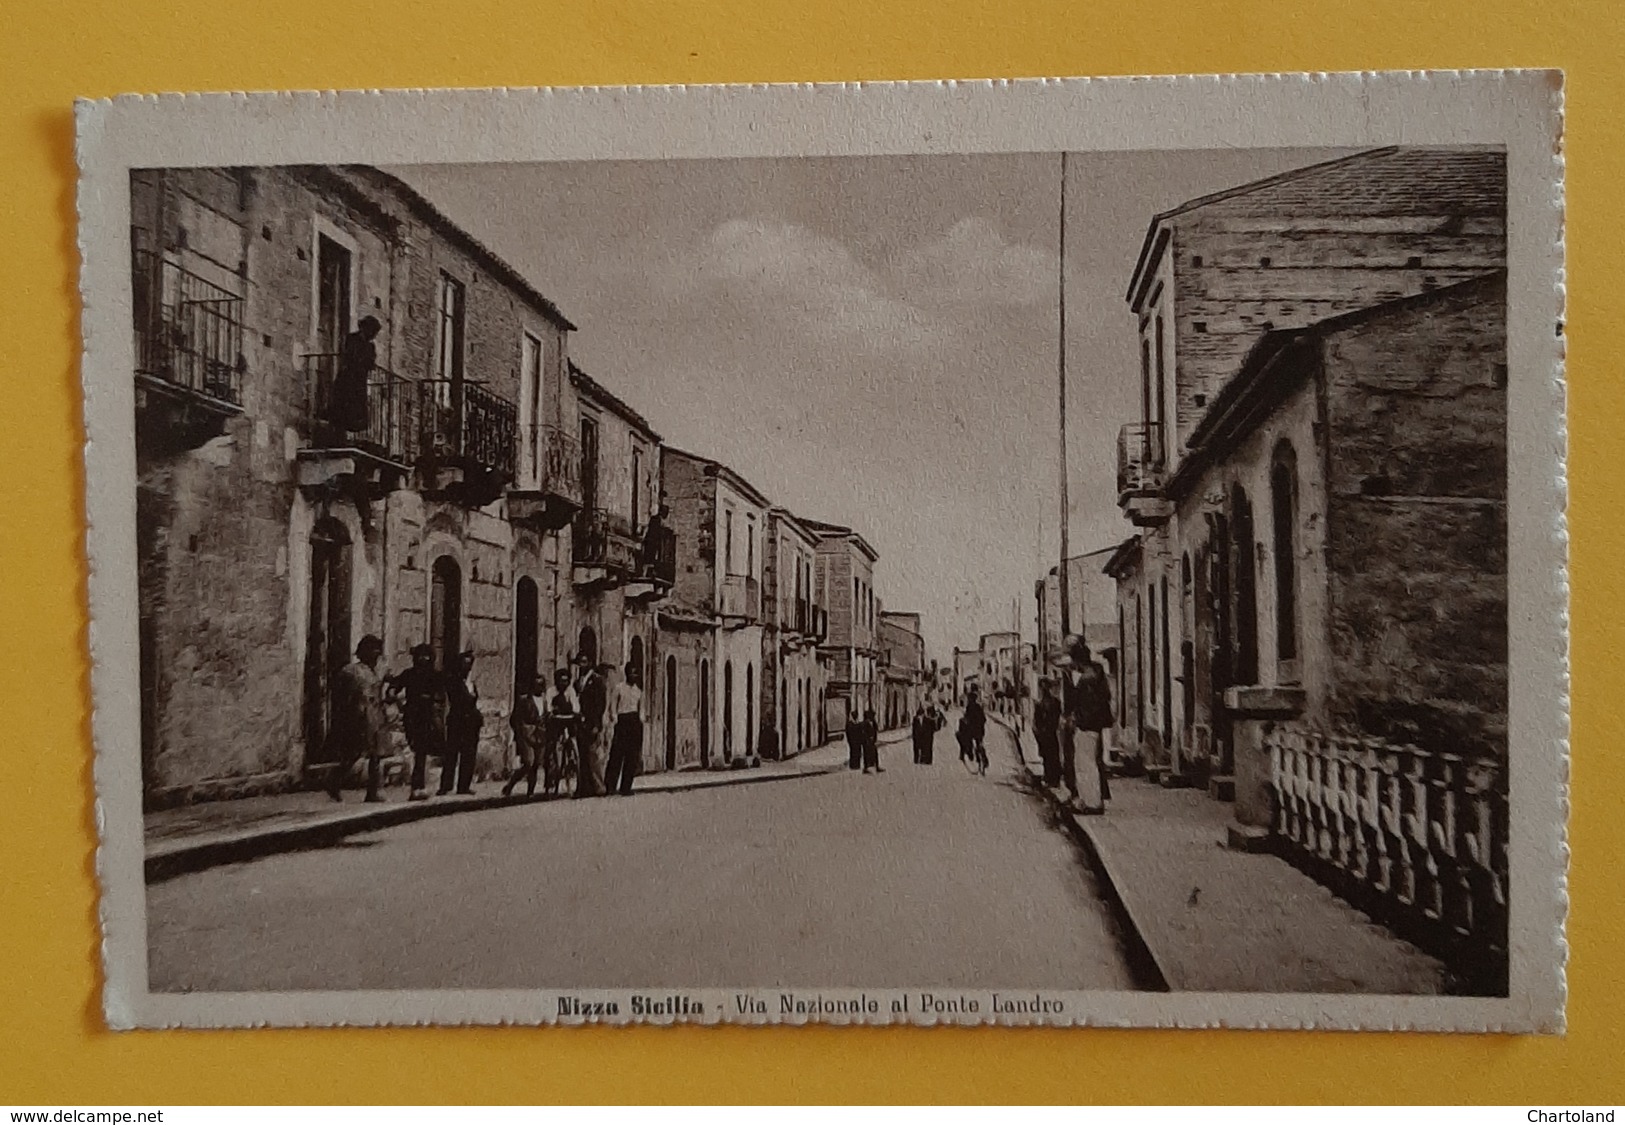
{"points": [[972, 728], [561, 719]]}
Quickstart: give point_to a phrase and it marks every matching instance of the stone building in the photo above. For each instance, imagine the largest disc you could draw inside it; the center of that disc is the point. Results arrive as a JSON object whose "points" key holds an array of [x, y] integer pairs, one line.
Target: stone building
{"points": [[1314, 608], [1215, 277], [794, 624], [712, 624], [1000, 661], [623, 564], [845, 581], [967, 663], [270, 541], [903, 668]]}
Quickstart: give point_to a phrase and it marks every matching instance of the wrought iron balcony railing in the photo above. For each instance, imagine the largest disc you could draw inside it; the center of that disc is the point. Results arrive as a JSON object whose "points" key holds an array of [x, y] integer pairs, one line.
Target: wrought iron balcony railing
{"points": [[466, 421], [394, 411], [551, 462], [1141, 459], [603, 539], [741, 598], [188, 330]]}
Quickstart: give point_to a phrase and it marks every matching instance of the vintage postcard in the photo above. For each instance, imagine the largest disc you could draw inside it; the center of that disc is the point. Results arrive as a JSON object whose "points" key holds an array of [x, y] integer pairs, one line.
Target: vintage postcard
{"points": [[1078, 552]]}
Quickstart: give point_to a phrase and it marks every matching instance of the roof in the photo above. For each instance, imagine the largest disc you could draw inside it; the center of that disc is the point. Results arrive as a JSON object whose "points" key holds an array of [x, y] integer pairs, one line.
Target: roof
{"points": [[903, 619], [612, 402], [1459, 180], [473, 247], [723, 472], [795, 523], [837, 531], [1267, 374]]}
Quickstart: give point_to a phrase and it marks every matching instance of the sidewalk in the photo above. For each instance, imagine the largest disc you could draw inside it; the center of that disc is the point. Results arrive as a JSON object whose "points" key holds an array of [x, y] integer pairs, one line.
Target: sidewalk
{"points": [[195, 837], [1214, 919]]}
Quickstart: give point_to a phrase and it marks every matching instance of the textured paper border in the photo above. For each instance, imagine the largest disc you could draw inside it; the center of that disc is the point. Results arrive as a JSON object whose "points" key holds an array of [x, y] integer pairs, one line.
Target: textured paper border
{"points": [[1521, 110]]}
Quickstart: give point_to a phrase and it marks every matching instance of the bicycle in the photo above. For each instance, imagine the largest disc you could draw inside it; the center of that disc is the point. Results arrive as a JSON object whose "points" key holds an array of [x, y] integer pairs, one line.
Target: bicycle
{"points": [[974, 757]]}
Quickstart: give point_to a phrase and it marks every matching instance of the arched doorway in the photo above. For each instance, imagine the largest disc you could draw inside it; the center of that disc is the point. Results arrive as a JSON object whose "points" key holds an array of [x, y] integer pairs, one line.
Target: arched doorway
{"points": [[587, 645], [445, 611], [526, 622], [750, 711], [634, 657], [671, 712], [784, 724], [728, 712], [705, 713], [327, 633]]}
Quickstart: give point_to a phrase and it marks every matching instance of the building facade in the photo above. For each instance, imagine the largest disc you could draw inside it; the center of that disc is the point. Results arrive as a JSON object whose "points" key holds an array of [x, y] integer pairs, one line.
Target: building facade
{"points": [[903, 668], [714, 620], [793, 626], [851, 651], [271, 540]]}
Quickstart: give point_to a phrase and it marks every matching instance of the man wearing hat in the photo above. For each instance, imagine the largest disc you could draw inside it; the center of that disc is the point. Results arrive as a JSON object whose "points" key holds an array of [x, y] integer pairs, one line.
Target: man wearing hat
{"points": [[421, 692], [360, 728], [1086, 710]]}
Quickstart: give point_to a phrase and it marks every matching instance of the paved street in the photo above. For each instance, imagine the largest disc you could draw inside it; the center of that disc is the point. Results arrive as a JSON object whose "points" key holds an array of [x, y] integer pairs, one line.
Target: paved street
{"points": [[917, 876]]}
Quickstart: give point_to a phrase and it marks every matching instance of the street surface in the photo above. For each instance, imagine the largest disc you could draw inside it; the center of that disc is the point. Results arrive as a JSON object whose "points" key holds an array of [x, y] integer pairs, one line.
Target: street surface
{"points": [[921, 875]]}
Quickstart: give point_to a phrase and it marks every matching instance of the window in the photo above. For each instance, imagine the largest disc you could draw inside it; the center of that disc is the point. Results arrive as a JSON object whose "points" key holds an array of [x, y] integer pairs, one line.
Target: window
{"points": [[728, 540], [530, 384], [1151, 621], [449, 357], [750, 546], [1284, 518], [1162, 402], [637, 485], [1145, 381]]}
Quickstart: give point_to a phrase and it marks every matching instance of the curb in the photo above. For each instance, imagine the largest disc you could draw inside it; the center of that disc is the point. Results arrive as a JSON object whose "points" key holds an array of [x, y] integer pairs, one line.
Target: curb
{"points": [[186, 859], [1149, 974]]}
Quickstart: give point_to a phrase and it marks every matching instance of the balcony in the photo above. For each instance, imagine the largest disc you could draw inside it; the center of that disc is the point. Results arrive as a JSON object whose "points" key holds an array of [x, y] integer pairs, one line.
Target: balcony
{"points": [[382, 453], [467, 448], [604, 550], [741, 602], [657, 565], [1141, 471], [547, 492], [189, 359]]}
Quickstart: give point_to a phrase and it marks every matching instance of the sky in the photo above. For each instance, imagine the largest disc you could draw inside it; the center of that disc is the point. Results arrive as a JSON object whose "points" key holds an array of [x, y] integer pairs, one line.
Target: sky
{"points": [[871, 341]]}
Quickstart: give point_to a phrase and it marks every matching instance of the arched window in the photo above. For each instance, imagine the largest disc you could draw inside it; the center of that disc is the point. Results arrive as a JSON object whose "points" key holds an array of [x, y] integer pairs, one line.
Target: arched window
{"points": [[1284, 524], [634, 656]]}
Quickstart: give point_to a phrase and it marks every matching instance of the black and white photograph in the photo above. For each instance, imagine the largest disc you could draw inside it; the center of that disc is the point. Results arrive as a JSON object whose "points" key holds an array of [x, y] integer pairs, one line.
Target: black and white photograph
{"points": [[1090, 559]]}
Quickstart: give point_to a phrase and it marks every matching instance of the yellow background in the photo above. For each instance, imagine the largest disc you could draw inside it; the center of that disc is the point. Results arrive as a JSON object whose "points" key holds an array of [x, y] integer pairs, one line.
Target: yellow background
{"points": [[53, 1049]]}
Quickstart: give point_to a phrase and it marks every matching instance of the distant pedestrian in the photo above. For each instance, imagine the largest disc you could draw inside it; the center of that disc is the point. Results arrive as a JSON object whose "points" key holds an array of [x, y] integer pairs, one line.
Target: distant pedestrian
{"points": [[528, 723], [1086, 711], [626, 743], [360, 726], [421, 693], [463, 722], [854, 740], [347, 397], [871, 743], [924, 732], [1047, 731]]}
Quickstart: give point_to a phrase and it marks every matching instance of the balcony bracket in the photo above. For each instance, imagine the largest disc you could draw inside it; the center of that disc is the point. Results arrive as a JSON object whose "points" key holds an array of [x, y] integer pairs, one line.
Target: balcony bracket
{"points": [[177, 419], [351, 472], [540, 510]]}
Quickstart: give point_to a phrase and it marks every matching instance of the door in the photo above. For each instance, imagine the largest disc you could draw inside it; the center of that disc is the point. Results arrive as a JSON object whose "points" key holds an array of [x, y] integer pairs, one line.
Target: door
{"points": [[671, 712], [332, 295], [589, 464], [530, 381], [445, 611], [728, 712], [705, 713], [750, 711], [327, 633], [587, 645], [634, 657], [526, 634]]}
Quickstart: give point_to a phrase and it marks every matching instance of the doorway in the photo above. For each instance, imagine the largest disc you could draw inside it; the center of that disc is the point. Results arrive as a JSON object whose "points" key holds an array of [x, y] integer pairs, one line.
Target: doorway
{"points": [[332, 295], [526, 635], [671, 712], [446, 612], [728, 712], [327, 633], [705, 713]]}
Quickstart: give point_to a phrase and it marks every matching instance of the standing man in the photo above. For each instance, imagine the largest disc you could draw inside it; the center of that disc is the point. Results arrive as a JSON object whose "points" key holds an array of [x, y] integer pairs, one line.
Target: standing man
{"points": [[924, 731], [854, 739], [1047, 731], [626, 739], [347, 399], [360, 726], [463, 722], [421, 694], [529, 737], [871, 742], [1087, 710], [593, 692]]}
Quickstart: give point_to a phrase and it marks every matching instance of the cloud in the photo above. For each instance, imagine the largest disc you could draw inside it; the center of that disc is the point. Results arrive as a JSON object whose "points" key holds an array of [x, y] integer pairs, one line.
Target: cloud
{"points": [[972, 264]]}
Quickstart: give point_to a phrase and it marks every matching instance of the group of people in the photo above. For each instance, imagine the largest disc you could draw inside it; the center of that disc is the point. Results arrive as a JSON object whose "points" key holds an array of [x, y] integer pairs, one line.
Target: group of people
{"points": [[863, 742], [1068, 723], [578, 727]]}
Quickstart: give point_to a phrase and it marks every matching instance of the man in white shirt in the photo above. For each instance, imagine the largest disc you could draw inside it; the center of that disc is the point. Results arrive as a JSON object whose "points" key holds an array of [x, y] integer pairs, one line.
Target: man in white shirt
{"points": [[626, 745]]}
